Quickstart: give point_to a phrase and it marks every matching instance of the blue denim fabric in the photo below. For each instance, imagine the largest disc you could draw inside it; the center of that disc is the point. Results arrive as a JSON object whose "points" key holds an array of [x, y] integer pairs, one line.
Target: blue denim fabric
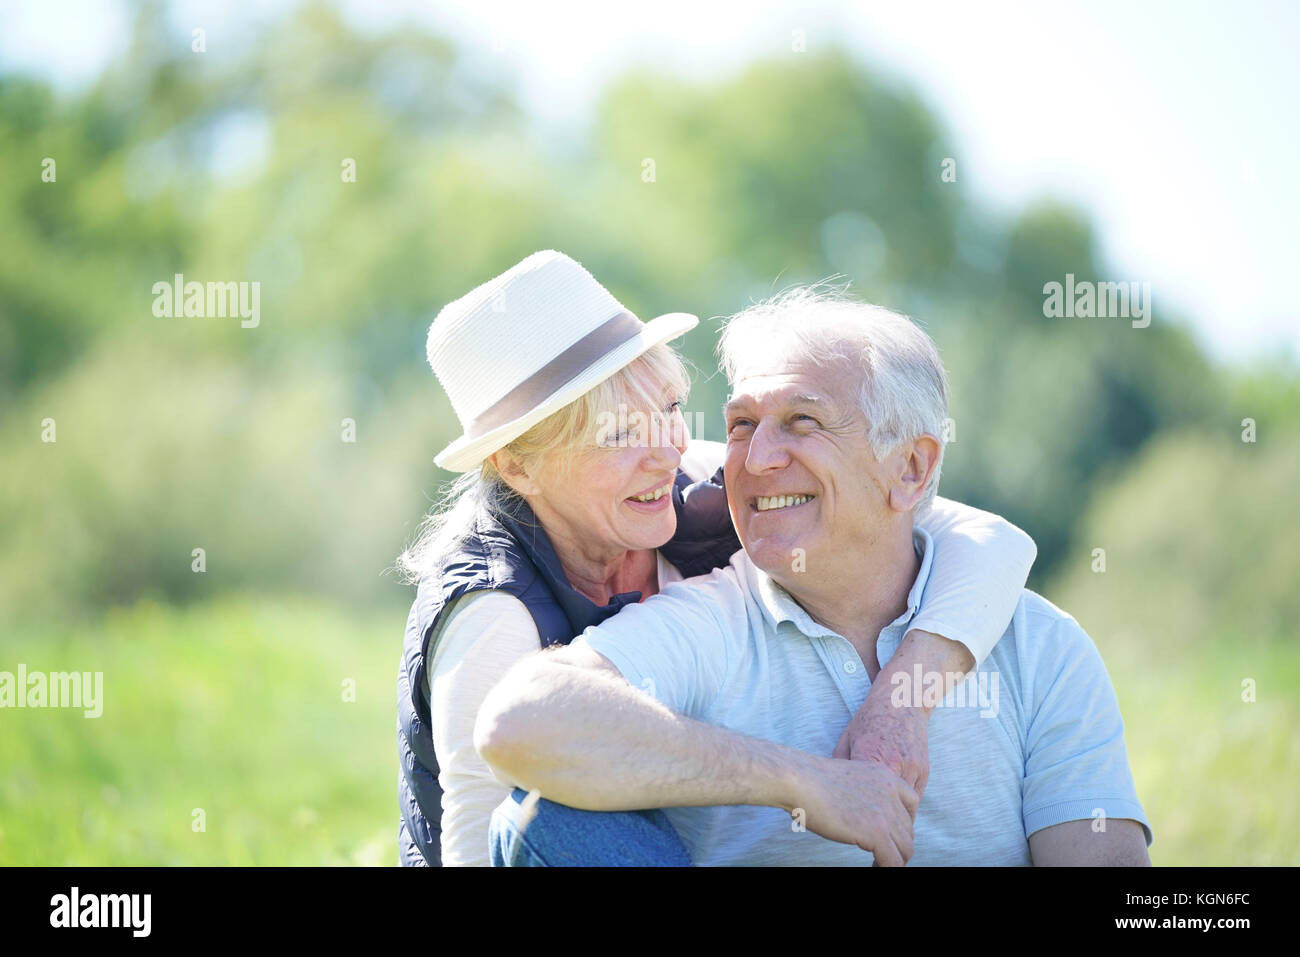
{"points": [[563, 836]]}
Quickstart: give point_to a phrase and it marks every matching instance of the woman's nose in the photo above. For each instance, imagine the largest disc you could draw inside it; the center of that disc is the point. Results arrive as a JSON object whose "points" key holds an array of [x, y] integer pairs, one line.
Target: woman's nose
{"points": [[668, 442], [680, 435], [664, 455]]}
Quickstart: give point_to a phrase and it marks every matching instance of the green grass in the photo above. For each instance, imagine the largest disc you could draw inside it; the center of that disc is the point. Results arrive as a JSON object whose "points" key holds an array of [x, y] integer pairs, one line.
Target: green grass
{"points": [[1216, 774], [236, 707]]}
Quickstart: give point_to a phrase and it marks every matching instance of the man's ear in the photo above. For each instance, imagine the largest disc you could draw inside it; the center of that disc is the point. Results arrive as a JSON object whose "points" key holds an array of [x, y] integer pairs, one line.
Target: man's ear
{"points": [[920, 457], [513, 472]]}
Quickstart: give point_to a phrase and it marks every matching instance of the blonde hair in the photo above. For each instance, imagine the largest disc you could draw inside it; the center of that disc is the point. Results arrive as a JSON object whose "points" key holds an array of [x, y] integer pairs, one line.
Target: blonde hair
{"points": [[556, 444]]}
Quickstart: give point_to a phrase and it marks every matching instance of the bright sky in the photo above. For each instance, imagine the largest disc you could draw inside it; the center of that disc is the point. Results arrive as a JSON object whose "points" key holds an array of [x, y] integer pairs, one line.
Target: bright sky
{"points": [[1173, 123]]}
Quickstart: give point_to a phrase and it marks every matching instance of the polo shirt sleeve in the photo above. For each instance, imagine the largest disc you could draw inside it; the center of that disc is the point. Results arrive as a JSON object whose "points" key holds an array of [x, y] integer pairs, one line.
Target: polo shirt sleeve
{"points": [[980, 566], [673, 645], [1076, 765]]}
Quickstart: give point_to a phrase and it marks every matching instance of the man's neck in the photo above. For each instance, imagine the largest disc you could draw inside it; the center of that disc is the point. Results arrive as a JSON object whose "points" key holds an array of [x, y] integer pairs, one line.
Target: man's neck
{"points": [[865, 593]]}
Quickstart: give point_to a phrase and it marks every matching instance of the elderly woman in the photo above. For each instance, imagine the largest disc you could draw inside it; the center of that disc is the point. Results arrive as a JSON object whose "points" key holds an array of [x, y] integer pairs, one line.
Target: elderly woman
{"points": [[582, 494]]}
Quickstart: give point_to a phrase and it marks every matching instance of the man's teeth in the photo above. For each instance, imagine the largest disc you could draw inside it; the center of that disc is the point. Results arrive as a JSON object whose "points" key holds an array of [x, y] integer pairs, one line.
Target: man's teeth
{"points": [[766, 502], [655, 495]]}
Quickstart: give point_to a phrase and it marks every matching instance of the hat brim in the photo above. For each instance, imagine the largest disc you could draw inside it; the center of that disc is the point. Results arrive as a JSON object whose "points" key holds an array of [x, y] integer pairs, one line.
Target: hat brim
{"points": [[466, 453]]}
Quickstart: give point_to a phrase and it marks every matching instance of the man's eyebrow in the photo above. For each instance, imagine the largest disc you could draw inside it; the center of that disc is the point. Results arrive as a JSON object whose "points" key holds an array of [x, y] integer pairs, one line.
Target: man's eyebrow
{"points": [[801, 398]]}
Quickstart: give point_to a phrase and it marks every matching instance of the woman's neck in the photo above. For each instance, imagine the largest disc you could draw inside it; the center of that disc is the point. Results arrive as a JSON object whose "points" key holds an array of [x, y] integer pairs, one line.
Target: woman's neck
{"points": [[600, 577]]}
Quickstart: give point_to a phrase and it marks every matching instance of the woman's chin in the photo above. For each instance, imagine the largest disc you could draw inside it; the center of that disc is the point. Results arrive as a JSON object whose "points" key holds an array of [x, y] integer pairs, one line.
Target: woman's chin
{"points": [[653, 531]]}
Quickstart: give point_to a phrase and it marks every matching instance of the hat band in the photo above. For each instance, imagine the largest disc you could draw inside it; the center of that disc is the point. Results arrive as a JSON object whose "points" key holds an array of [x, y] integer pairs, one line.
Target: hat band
{"points": [[565, 367]]}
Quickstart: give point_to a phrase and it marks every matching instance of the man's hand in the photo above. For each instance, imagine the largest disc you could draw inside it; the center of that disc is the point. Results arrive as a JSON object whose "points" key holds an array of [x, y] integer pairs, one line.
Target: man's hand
{"points": [[896, 735], [862, 803]]}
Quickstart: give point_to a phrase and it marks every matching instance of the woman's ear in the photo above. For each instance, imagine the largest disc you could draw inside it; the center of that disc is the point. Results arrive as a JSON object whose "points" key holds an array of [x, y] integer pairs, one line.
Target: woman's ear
{"points": [[514, 474]]}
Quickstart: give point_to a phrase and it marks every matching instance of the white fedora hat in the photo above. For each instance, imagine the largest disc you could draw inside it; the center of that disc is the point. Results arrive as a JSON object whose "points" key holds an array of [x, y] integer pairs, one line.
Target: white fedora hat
{"points": [[526, 344]]}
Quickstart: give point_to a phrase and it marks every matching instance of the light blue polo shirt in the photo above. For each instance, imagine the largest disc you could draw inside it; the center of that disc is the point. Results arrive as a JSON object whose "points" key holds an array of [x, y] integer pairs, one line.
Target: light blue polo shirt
{"points": [[1033, 738]]}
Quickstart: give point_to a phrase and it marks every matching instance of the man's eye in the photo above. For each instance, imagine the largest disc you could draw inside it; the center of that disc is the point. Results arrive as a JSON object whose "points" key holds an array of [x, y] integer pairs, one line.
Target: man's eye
{"points": [[737, 425]]}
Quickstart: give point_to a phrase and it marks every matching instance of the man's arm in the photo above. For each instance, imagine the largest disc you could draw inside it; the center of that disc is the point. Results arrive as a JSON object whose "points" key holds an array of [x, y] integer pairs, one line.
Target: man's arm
{"points": [[565, 723], [1076, 770], [1076, 844]]}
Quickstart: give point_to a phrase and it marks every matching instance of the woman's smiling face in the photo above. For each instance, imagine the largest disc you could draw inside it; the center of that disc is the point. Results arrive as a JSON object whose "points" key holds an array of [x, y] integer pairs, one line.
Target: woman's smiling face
{"points": [[617, 495], [611, 491]]}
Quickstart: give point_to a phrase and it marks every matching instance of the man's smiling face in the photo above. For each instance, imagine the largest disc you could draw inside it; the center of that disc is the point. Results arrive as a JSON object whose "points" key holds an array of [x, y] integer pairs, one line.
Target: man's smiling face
{"points": [[800, 472]]}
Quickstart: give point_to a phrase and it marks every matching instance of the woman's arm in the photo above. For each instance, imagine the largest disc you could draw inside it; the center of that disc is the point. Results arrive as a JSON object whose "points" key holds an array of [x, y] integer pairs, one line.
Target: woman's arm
{"points": [[979, 568], [486, 632], [980, 565]]}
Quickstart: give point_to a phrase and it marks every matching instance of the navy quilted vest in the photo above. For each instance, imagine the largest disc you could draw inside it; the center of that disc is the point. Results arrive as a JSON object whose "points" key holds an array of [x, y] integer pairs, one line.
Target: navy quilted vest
{"points": [[509, 551]]}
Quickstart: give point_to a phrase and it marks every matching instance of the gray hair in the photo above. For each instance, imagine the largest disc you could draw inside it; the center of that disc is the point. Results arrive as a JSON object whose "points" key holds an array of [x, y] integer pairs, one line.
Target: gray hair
{"points": [[904, 387]]}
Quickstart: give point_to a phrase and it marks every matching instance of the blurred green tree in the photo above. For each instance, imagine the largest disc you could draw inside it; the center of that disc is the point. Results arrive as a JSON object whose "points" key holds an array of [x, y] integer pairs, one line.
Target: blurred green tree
{"points": [[683, 197]]}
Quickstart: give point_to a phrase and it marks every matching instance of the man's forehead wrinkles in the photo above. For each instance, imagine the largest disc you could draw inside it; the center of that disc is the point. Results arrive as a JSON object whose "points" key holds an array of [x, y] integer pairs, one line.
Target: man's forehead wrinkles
{"points": [[777, 395]]}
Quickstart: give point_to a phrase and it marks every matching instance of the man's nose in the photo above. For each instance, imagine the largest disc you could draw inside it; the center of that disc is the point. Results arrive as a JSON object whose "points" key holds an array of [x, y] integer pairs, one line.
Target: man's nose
{"points": [[766, 449]]}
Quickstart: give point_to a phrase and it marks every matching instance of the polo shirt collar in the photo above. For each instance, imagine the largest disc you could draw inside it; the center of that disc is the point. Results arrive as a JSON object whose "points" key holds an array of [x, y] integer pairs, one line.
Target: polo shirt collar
{"points": [[778, 606]]}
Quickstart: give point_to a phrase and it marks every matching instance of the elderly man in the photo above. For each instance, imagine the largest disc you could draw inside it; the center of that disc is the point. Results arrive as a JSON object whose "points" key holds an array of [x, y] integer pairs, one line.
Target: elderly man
{"points": [[721, 708]]}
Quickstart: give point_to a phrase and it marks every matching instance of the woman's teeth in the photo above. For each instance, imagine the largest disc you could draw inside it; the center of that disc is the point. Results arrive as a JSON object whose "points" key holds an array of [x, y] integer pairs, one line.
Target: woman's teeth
{"points": [[655, 495], [768, 502]]}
